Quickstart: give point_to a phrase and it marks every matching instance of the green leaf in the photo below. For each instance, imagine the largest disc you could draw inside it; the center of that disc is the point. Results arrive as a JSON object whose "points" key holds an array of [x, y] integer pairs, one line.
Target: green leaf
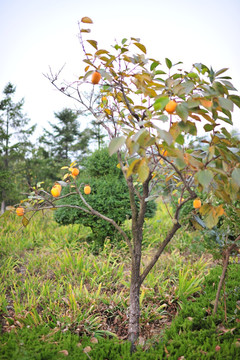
{"points": [[236, 176], [225, 103], [219, 72], [160, 103], [227, 120], [141, 47], [115, 144], [180, 139], [154, 65], [6, 213], [235, 99], [182, 111], [164, 135], [124, 40], [204, 177], [192, 75], [188, 86], [229, 85], [168, 63], [208, 127]]}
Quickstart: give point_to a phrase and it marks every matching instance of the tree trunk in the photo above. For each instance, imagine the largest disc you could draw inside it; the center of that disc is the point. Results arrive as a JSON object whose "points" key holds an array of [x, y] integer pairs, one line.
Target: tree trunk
{"points": [[134, 312], [2, 207], [220, 284], [226, 256]]}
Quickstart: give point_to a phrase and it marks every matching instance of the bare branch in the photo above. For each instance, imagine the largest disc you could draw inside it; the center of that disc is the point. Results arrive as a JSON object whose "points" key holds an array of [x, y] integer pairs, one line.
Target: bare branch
{"points": [[161, 248]]}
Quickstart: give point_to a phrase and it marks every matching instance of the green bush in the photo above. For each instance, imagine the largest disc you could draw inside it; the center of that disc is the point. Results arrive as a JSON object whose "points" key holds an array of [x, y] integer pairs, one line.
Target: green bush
{"points": [[109, 195]]}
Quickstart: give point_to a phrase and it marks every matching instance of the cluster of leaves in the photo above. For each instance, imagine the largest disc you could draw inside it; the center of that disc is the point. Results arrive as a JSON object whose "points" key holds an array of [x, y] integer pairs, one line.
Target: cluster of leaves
{"points": [[135, 91]]}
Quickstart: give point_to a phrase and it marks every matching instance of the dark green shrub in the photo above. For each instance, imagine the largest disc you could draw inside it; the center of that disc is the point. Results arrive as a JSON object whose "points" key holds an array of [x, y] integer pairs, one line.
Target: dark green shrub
{"points": [[109, 195]]}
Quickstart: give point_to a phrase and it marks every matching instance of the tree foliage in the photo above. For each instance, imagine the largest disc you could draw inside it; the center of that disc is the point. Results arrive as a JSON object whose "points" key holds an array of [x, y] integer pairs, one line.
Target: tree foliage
{"points": [[65, 139], [135, 90], [14, 142]]}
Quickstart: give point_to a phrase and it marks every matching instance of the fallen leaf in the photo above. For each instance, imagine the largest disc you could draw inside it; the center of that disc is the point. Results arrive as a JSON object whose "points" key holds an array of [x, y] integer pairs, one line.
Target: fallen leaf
{"points": [[64, 352], [94, 340], [87, 349], [217, 348]]}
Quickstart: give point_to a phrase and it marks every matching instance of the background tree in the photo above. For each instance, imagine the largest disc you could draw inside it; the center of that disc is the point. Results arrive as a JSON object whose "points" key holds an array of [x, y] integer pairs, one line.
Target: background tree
{"points": [[14, 142], [109, 196], [65, 140], [97, 134]]}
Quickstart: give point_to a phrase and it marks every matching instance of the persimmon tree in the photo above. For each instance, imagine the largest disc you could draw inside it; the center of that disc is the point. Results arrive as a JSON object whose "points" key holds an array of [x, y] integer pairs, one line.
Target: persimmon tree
{"points": [[152, 140]]}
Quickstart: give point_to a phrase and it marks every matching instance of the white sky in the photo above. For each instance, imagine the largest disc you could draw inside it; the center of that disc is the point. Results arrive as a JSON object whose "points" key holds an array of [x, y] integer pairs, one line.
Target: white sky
{"points": [[37, 34]]}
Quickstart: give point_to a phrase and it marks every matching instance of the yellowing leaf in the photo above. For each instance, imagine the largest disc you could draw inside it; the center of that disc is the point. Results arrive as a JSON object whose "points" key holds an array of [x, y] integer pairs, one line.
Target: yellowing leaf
{"points": [[93, 43], [206, 103], [86, 20], [85, 30], [133, 167], [25, 221], [141, 47], [143, 170], [107, 111]]}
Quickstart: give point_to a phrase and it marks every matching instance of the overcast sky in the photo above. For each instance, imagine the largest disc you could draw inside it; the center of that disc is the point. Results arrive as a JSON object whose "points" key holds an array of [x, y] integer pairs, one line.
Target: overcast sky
{"points": [[37, 34]]}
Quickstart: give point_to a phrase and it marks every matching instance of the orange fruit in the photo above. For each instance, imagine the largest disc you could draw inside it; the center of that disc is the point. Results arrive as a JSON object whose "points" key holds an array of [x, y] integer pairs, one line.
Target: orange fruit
{"points": [[171, 106], [55, 191], [96, 77], [87, 189], [164, 152], [20, 211], [74, 171], [58, 186], [197, 204]]}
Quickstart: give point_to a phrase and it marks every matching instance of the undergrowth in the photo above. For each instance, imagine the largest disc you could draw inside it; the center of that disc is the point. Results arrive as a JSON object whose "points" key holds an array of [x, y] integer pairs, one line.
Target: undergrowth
{"points": [[55, 291]]}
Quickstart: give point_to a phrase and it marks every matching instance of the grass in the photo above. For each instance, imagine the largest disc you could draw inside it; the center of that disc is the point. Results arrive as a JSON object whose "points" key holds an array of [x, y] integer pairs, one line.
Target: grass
{"points": [[50, 280]]}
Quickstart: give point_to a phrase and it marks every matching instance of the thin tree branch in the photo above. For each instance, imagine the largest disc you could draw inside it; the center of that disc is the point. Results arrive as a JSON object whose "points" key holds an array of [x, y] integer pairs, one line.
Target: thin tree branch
{"points": [[161, 248], [111, 221]]}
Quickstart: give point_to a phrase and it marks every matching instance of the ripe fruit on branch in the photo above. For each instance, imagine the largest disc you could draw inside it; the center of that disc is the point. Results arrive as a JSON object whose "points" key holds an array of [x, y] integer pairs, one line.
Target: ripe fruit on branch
{"points": [[58, 186], [197, 204], [55, 191], [87, 189], [20, 211], [96, 77], [171, 106], [164, 152], [74, 171]]}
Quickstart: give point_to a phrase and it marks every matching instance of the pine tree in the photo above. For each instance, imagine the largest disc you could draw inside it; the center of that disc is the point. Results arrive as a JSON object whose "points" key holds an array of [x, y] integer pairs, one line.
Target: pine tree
{"points": [[65, 140], [14, 142]]}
